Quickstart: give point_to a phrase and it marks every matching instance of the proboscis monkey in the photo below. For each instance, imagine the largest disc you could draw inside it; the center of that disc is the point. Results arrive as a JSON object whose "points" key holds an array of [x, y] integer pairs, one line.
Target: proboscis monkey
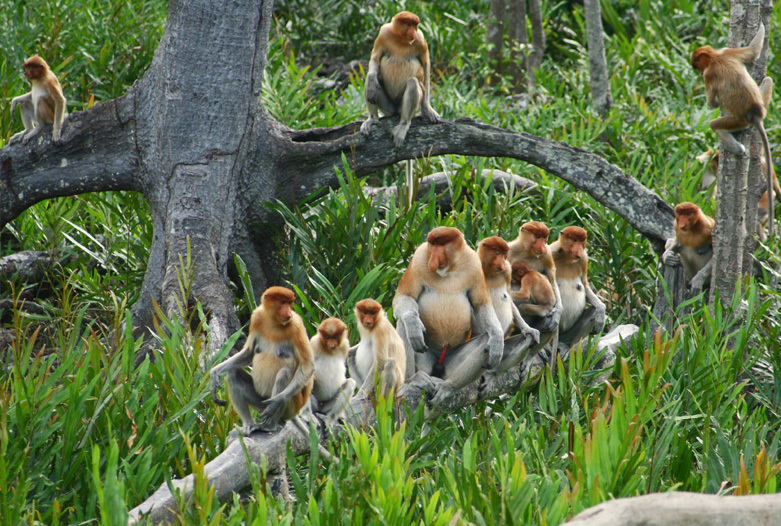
{"points": [[332, 389], [532, 288], [531, 246], [441, 300], [692, 243], [729, 86], [399, 78], [45, 104], [282, 365], [569, 255], [380, 351], [762, 207]]}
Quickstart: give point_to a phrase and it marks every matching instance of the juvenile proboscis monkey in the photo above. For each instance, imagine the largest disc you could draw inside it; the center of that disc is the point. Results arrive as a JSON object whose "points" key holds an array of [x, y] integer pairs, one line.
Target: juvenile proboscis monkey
{"points": [[332, 389], [45, 104], [399, 78], [532, 288], [569, 255], [441, 299], [729, 86], [762, 207], [531, 246], [380, 351], [692, 243], [282, 365]]}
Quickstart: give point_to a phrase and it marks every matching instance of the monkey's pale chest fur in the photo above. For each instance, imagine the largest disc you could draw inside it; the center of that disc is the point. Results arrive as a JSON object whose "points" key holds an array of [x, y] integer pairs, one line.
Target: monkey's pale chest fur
{"points": [[267, 363], [445, 311], [394, 70], [329, 376], [502, 303], [364, 356], [573, 299], [43, 104], [693, 259]]}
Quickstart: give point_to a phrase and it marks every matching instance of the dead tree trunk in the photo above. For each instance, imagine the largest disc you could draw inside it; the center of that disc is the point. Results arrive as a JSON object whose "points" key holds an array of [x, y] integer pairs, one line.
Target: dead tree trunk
{"points": [[601, 97], [736, 207], [495, 37]]}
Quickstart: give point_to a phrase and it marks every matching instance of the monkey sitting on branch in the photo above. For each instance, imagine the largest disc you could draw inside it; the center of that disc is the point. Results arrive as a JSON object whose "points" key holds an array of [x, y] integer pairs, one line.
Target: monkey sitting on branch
{"points": [[729, 86], [693, 244], [380, 353], [332, 390], [399, 78], [282, 365], [43, 105], [531, 246]]}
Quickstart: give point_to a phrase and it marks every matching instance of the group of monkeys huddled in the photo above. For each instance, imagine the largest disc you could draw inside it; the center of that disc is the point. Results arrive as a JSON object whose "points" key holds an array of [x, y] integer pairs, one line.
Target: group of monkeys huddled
{"points": [[449, 294]]}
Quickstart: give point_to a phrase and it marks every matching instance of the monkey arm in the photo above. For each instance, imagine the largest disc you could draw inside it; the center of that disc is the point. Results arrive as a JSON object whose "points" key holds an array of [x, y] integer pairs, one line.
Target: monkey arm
{"points": [[407, 313], [671, 249], [352, 366], [425, 106], [372, 91], [241, 359], [699, 279], [487, 322], [523, 326], [273, 408], [59, 111], [334, 407], [593, 299], [551, 321], [27, 97]]}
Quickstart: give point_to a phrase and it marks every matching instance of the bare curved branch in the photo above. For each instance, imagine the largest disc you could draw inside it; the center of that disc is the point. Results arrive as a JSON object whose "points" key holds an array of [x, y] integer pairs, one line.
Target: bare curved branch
{"points": [[97, 153], [320, 149]]}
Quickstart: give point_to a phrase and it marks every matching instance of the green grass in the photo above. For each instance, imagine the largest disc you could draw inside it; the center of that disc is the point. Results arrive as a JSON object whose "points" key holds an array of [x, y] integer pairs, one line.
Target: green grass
{"points": [[85, 435]]}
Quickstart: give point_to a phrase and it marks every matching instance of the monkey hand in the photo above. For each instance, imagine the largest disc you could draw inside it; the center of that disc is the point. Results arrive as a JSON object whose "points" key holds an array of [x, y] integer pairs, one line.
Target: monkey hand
{"points": [[56, 135], [495, 349], [534, 333], [670, 258], [270, 413], [599, 320], [486, 386], [415, 331], [444, 391], [215, 382], [551, 321], [372, 87]]}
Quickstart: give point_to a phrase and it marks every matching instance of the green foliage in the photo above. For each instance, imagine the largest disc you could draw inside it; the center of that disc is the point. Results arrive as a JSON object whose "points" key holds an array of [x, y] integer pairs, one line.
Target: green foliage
{"points": [[85, 435]]}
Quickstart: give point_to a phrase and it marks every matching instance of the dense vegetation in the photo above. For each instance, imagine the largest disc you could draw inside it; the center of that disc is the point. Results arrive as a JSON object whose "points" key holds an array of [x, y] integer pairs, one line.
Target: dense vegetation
{"points": [[85, 435]]}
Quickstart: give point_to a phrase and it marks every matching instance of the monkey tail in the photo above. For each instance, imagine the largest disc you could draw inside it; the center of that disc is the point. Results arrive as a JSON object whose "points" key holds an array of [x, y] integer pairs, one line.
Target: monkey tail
{"points": [[410, 183], [757, 121]]}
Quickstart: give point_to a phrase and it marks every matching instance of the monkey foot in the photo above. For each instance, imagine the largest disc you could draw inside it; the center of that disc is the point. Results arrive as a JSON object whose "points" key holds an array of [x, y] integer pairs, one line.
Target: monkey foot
{"points": [[425, 382]]}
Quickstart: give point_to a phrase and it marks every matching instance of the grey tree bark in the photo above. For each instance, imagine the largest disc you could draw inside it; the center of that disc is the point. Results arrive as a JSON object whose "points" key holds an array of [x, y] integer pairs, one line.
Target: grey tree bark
{"points": [[601, 97], [495, 36], [538, 42], [736, 200], [519, 42]]}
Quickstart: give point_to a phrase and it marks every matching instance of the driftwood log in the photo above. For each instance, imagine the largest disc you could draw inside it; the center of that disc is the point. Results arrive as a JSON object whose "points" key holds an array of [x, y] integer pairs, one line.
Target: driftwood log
{"points": [[501, 181]]}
